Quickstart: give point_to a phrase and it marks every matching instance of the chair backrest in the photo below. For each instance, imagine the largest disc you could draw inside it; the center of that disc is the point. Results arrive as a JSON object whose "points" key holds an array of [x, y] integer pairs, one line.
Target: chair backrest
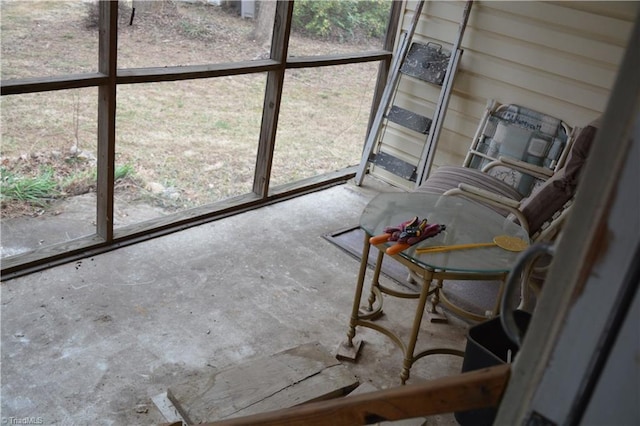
{"points": [[523, 134], [546, 204]]}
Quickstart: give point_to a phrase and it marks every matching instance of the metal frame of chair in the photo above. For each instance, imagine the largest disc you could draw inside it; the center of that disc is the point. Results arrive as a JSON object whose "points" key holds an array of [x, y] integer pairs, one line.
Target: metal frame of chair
{"points": [[518, 145], [548, 207]]}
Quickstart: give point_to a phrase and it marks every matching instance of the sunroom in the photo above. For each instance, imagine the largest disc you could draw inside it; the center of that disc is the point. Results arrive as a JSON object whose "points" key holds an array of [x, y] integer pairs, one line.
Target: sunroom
{"points": [[218, 155]]}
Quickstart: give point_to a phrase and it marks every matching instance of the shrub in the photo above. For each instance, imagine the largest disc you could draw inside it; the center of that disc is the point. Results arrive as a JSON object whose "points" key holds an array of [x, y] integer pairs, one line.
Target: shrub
{"points": [[341, 19]]}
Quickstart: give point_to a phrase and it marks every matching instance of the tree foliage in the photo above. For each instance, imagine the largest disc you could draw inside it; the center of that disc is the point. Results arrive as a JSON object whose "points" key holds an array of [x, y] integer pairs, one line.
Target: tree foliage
{"points": [[341, 19]]}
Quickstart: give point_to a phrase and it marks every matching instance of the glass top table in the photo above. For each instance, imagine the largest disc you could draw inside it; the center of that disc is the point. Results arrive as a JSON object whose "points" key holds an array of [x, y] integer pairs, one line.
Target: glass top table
{"points": [[466, 222]]}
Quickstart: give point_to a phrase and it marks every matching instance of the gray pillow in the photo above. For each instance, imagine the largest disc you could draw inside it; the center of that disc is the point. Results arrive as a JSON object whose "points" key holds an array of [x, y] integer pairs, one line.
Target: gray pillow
{"points": [[561, 187]]}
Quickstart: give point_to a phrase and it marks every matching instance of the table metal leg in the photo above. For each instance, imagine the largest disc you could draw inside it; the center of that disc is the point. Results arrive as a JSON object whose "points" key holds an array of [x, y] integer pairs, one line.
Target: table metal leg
{"points": [[349, 349], [496, 307], [436, 315], [364, 316], [415, 329], [375, 293]]}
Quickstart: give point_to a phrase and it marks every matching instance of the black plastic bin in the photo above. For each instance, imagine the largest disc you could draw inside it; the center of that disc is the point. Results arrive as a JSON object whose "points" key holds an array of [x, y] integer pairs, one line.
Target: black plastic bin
{"points": [[488, 345]]}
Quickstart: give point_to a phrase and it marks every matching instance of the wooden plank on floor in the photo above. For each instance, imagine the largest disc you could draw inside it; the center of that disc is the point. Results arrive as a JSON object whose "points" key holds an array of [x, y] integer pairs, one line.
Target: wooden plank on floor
{"points": [[168, 410], [466, 391], [302, 374]]}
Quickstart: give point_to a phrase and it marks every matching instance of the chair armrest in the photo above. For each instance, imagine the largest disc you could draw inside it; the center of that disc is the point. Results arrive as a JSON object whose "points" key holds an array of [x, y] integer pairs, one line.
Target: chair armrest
{"points": [[492, 199], [480, 193], [521, 166], [551, 231]]}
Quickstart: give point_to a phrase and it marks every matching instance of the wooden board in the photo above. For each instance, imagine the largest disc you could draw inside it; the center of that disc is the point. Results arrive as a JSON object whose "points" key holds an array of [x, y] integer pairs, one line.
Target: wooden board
{"points": [[302, 374], [467, 391]]}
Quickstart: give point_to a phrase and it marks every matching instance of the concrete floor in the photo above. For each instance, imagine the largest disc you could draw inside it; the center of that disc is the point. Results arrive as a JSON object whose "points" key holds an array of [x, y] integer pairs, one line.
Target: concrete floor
{"points": [[91, 342]]}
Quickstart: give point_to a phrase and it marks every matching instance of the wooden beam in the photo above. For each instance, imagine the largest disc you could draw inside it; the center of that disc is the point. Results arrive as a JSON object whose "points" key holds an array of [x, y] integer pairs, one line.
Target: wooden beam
{"points": [[177, 73], [190, 72], [468, 391], [397, 7], [273, 97], [340, 59], [45, 84], [107, 55], [69, 251]]}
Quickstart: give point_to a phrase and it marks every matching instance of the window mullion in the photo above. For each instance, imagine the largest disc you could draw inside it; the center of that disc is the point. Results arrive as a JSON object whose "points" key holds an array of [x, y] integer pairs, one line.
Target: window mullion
{"points": [[272, 97], [107, 65]]}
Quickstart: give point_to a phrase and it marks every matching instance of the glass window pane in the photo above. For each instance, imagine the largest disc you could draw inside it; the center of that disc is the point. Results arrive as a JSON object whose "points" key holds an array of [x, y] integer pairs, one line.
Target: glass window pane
{"points": [[189, 143], [48, 165], [322, 27], [323, 120], [178, 33], [44, 38]]}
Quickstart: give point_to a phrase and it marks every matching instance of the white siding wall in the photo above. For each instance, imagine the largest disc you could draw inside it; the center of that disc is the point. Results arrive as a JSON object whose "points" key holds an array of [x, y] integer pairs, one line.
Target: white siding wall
{"points": [[557, 57]]}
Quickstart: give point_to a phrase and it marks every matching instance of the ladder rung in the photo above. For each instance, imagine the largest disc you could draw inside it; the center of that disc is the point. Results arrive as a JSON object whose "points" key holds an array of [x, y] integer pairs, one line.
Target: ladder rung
{"points": [[395, 165], [409, 119], [426, 62]]}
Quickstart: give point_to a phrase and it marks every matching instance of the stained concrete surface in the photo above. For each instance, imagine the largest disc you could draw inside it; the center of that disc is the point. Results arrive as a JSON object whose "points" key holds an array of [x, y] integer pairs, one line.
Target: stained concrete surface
{"points": [[91, 342]]}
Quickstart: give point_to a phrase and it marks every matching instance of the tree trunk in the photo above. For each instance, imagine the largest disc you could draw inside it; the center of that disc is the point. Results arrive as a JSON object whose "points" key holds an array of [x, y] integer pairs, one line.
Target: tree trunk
{"points": [[264, 24]]}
